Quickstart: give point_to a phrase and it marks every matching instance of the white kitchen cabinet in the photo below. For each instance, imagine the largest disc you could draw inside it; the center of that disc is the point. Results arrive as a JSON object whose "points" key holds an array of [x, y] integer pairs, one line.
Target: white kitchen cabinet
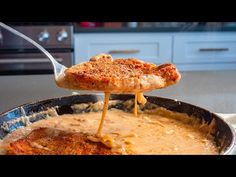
{"points": [[190, 51], [205, 51], [152, 47]]}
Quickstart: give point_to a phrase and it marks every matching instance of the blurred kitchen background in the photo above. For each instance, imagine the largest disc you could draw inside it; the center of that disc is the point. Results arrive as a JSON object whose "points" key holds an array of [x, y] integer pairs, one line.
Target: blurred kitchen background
{"points": [[205, 54]]}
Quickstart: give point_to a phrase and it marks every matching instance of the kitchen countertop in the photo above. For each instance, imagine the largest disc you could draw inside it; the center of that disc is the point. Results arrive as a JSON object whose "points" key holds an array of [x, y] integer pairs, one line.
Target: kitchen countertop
{"points": [[230, 118]]}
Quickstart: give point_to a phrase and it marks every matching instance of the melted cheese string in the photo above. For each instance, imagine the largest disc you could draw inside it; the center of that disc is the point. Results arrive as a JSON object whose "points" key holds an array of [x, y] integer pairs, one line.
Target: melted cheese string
{"points": [[136, 104], [142, 99], [104, 111], [139, 98]]}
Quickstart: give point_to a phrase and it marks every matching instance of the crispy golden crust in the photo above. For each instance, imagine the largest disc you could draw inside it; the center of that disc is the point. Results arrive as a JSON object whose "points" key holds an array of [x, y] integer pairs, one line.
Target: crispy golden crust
{"points": [[102, 73], [46, 141]]}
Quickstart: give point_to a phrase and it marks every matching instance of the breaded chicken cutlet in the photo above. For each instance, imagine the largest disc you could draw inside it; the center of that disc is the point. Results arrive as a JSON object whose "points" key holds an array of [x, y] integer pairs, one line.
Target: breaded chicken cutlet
{"points": [[48, 141], [120, 75]]}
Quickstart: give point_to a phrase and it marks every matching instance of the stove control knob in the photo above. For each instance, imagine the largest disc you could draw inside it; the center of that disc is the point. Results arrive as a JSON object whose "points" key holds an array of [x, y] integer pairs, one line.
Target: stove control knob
{"points": [[43, 36], [62, 35]]}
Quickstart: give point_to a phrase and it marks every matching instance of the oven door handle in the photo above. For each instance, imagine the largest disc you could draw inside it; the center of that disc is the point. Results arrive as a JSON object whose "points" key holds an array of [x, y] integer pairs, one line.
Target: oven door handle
{"points": [[30, 60]]}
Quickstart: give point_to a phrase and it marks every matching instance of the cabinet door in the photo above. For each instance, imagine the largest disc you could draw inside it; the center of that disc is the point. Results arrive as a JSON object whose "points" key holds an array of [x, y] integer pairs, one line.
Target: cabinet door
{"points": [[204, 48], [150, 47]]}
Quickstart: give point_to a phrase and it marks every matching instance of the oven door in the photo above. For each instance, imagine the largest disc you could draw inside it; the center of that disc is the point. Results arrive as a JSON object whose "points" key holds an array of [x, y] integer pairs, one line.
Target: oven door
{"points": [[31, 63]]}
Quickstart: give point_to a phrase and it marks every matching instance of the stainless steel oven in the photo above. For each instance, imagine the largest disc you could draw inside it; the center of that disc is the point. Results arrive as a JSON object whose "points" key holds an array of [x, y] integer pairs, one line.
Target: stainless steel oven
{"points": [[17, 56]]}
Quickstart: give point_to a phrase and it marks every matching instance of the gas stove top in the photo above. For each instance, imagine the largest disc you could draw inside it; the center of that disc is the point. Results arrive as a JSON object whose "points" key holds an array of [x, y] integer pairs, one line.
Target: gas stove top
{"points": [[48, 35]]}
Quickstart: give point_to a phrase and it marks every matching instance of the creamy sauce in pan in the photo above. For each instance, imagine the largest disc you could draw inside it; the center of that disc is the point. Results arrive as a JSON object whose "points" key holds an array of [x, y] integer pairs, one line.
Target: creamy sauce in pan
{"points": [[157, 131]]}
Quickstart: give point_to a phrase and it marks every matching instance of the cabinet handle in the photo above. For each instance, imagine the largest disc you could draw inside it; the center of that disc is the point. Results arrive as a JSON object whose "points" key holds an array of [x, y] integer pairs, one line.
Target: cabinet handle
{"points": [[123, 51], [213, 49]]}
